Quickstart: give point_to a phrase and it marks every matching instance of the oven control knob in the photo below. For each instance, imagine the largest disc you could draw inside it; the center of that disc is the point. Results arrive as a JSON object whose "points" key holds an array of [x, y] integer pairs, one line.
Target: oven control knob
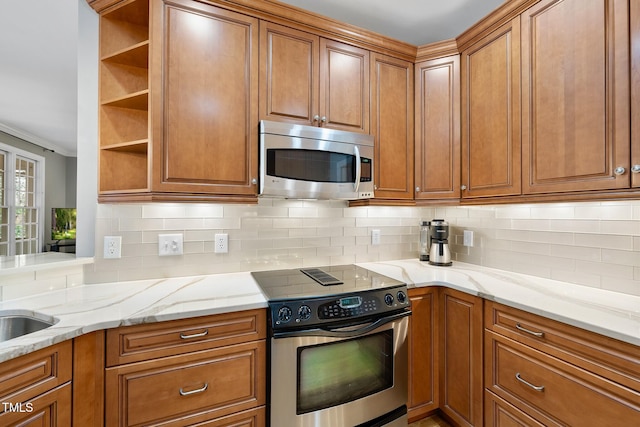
{"points": [[402, 297], [304, 312], [284, 314], [388, 299]]}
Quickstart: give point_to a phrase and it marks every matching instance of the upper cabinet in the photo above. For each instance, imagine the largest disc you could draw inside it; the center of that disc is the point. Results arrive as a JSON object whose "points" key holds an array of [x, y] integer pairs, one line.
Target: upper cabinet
{"points": [[575, 96], [392, 126], [178, 102], [491, 114], [311, 80], [437, 129], [635, 93]]}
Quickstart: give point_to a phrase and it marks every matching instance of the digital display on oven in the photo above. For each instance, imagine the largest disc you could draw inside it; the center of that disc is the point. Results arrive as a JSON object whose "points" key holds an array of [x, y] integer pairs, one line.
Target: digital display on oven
{"points": [[350, 302]]}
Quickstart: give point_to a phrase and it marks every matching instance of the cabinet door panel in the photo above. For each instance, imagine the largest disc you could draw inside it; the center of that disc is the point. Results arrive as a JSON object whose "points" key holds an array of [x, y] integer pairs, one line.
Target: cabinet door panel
{"points": [[491, 114], [575, 79], [209, 135], [344, 86], [392, 125], [289, 67], [438, 129], [635, 92]]}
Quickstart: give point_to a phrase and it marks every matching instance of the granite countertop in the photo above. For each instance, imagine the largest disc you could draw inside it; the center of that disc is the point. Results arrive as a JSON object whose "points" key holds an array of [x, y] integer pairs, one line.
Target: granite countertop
{"points": [[88, 308]]}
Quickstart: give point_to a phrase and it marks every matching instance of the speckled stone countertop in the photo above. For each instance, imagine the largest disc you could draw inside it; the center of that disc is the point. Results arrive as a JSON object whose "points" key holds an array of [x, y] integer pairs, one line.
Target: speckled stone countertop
{"points": [[88, 308]]}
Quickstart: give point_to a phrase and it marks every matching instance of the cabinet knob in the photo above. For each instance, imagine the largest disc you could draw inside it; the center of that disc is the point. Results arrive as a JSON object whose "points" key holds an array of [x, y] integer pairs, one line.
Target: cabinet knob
{"points": [[463, 187], [323, 119], [417, 189], [619, 170], [254, 181], [635, 168]]}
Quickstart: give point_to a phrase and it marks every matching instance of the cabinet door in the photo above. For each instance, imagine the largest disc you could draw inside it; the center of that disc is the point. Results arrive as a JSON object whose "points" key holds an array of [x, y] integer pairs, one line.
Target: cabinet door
{"points": [[289, 69], [461, 384], [51, 409], [423, 353], [205, 123], [392, 126], [491, 114], [438, 129], [344, 86], [635, 92], [575, 109]]}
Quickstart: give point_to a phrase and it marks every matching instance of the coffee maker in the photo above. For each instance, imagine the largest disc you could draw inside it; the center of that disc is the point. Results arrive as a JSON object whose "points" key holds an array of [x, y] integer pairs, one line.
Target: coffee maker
{"points": [[439, 254]]}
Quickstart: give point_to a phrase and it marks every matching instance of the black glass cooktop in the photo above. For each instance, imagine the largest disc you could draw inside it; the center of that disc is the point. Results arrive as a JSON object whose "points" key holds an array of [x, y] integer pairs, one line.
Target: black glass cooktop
{"points": [[319, 282]]}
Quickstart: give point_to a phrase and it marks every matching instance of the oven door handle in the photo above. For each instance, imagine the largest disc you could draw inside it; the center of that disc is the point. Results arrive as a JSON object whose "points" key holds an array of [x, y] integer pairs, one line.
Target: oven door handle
{"points": [[343, 332]]}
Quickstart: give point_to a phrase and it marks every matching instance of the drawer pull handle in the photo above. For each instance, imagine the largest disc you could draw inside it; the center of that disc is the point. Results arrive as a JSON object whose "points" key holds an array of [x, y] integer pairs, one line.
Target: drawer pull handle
{"points": [[198, 335], [196, 391], [523, 381], [529, 331]]}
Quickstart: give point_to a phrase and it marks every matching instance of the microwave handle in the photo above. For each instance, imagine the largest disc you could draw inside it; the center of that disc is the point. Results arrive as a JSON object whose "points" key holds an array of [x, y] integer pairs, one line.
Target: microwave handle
{"points": [[358, 168]]}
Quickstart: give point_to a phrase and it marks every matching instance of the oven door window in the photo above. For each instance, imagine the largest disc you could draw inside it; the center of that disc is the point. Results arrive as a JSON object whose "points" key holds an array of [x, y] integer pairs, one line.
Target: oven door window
{"points": [[336, 373], [315, 165]]}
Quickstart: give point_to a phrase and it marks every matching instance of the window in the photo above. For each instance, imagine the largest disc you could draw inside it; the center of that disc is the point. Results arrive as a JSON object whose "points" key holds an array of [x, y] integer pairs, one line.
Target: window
{"points": [[21, 202]]}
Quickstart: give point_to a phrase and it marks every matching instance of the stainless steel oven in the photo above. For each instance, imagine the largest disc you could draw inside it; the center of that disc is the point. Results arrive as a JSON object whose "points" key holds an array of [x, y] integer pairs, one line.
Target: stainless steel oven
{"points": [[337, 353]]}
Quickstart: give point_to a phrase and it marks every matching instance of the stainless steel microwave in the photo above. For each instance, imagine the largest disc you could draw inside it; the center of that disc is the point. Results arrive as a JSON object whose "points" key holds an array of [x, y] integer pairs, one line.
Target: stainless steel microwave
{"points": [[308, 162]]}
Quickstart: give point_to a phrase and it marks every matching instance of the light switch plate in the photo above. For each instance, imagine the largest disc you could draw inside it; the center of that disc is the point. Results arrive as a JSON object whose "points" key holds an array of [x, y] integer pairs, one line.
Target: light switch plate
{"points": [[375, 237], [170, 244], [467, 239]]}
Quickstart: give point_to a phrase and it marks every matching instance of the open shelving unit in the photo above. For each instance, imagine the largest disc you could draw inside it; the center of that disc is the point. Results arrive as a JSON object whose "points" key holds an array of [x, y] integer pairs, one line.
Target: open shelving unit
{"points": [[124, 98]]}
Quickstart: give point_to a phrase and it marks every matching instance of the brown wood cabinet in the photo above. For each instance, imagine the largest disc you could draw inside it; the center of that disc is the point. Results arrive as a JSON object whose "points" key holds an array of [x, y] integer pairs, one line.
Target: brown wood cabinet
{"points": [[392, 127], [461, 386], [575, 96], [424, 372], [437, 130], [312, 80], [635, 92], [543, 372], [35, 389], [210, 369], [195, 137], [491, 140]]}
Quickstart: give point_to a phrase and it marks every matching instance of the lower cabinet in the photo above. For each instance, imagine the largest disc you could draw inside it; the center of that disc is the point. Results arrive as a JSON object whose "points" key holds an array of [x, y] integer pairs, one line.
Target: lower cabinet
{"points": [[35, 389], [461, 357], [542, 372], [424, 396], [205, 371]]}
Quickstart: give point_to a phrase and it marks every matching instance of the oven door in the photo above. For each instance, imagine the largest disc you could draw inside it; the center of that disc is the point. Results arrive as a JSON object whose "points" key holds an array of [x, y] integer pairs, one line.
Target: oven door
{"points": [[340, 377]]}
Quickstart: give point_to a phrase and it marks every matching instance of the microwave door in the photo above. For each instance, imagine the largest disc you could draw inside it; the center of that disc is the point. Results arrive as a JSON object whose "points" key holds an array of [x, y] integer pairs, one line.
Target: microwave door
{"points": [[356, 184]]}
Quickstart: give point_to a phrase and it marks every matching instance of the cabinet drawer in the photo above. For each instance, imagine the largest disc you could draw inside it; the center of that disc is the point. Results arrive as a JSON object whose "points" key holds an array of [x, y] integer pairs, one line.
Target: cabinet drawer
{"points": [[498, 413], [553, 391], [51, 409], [187, 389], [251, 418], [142, 342], [613, 359], [27, 376]]}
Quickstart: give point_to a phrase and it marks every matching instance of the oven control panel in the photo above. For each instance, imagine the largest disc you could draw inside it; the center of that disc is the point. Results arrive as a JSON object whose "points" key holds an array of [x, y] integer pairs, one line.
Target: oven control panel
{"points": [[316, 311]]}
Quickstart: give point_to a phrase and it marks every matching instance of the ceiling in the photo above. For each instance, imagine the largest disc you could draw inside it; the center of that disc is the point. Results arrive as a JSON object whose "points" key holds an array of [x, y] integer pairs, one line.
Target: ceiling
{"points": [[38, 53]]}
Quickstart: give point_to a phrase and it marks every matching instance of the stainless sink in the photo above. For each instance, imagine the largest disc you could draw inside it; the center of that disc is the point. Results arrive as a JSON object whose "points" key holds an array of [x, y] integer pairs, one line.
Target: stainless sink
{"points": [[16, 325]]}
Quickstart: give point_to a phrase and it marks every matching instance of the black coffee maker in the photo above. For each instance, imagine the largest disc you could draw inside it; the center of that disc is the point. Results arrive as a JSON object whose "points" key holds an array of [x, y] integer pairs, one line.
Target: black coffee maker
{"points": [[439, 254]]}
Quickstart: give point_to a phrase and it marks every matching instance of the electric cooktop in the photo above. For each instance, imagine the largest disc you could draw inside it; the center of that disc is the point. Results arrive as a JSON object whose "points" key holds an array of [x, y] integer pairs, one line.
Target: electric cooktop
{"points": [[336, 280]]}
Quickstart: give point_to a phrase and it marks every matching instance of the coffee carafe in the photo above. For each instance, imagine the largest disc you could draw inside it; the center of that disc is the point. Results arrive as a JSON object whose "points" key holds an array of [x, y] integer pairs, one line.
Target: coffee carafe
{"points": [[439, 253]]}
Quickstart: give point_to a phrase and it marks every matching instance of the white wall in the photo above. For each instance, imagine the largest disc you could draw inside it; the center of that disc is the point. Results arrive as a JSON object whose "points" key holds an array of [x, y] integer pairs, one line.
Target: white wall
{"points": [[87, 175]]}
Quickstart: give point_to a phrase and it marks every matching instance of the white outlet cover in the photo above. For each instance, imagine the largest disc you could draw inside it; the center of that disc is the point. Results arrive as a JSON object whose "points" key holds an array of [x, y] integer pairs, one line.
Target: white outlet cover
{"points": [[375, 237], [221, 243], [467, 239], [170, 244], [112, 247]]}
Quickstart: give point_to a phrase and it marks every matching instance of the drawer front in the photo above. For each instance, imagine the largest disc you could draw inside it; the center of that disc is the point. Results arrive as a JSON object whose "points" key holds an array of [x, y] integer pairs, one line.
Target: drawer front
{"points": [[613, 359], [251, 418], [142, 342], [553, 391], [498, 413], [186, 389], [27, 376], [52, 409]]}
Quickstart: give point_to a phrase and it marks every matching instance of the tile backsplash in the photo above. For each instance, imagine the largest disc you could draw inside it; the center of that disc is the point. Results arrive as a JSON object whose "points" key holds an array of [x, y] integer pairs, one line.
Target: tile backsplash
{"points": [[594, 244]]}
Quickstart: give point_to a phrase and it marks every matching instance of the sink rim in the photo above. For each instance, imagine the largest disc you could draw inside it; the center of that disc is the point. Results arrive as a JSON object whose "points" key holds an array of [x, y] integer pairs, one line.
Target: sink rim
{"points": [[29, 315]]}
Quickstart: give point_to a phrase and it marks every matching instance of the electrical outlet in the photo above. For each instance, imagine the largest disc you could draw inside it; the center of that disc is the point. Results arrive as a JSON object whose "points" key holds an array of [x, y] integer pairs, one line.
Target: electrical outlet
{"points": [[170, 244], [467, 239], [375, 237], [112, 247], [221, 243]]}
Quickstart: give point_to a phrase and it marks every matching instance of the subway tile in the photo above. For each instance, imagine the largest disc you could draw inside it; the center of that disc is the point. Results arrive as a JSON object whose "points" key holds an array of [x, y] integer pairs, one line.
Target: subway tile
{"points": [[163, 210], [618, 257], [607, 241], [577, 252], [631, 228], [603, 269]]}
